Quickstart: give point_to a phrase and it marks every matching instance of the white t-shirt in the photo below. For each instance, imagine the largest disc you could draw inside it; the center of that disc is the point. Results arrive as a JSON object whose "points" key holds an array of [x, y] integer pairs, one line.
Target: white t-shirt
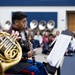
{"points": [[39, 38]]}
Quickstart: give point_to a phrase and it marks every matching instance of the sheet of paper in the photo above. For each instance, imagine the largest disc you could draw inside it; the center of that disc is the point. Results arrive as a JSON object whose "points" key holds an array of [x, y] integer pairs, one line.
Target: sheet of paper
{"points": [[55, 56]]}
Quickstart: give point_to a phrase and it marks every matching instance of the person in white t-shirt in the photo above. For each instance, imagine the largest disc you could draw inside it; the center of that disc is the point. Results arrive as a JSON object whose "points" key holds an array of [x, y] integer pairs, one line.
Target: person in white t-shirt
{"points": [[38, 37]]}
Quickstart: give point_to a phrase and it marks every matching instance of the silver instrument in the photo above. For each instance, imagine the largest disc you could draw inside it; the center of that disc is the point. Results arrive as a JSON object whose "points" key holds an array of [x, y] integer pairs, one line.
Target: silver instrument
{"points": [[33, 24], [51, 24], [42, 25]]}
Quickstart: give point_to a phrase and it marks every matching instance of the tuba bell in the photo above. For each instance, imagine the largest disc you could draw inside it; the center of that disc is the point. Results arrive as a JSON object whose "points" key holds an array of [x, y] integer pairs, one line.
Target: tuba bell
{"points": [[50, 24], [33, 24], [10, 52], [42, 25]]}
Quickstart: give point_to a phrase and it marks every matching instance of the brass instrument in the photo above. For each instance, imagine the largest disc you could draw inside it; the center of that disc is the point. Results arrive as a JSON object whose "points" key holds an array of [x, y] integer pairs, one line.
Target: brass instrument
{"points": [[10, 52]]}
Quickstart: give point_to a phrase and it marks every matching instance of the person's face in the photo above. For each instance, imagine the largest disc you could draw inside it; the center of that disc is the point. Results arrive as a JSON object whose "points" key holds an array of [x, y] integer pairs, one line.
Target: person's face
{"points": [[21, 23], [29, 37], [38, 32], [46, 33], [50, 37], [57, 33]]}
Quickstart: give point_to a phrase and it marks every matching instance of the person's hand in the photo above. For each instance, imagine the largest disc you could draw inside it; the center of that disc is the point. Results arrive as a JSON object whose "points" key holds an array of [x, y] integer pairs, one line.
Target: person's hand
{"points": [[34, 50], [15, 34], [31, 46], [31, 53]]}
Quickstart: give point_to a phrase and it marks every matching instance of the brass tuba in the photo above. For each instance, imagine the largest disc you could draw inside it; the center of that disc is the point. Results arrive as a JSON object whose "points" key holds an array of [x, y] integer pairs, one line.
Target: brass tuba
{"points": [[10, 52]]}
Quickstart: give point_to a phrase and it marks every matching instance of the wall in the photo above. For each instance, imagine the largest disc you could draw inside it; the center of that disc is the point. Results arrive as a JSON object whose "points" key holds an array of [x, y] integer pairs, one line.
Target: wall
{"points": [[37, 3], [5, 13]]}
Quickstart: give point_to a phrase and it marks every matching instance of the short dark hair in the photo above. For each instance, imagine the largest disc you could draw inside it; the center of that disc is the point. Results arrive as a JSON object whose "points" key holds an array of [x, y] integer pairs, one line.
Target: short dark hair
{"points": [[50, 34], [18, 16]]}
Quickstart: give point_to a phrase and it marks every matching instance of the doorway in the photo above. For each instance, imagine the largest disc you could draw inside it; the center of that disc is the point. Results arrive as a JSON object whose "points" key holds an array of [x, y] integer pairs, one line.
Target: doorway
{"points": [[71, 20]]}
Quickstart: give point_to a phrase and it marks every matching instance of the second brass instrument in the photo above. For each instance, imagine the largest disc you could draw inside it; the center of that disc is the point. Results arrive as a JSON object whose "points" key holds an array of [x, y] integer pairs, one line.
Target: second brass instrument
{"points": [[10, 52]]}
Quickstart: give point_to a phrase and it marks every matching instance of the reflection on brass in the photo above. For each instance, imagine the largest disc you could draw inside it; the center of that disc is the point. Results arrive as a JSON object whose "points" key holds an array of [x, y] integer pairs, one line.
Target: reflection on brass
{"points": [[10, 52]]}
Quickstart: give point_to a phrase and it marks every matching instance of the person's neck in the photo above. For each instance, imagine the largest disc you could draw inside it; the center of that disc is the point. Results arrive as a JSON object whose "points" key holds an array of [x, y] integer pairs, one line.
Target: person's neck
{"points": [[16, 27], [37, 34]]}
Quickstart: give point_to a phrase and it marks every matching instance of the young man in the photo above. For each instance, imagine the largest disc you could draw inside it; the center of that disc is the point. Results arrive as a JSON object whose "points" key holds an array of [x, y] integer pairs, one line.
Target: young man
{"points": [[19, 21]]}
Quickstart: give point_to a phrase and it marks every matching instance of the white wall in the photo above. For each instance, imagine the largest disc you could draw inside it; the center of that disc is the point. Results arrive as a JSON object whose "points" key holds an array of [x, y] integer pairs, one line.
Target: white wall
{"points": [[5, 13]]}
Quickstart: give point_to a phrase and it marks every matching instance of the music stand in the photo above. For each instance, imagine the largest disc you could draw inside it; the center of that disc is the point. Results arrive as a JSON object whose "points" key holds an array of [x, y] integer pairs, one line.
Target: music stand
{"points": [[55, 57]]}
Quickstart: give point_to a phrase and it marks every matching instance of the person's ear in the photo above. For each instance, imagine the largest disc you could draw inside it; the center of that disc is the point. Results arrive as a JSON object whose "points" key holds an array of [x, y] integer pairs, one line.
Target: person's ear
{"points": [[16, 22]]}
